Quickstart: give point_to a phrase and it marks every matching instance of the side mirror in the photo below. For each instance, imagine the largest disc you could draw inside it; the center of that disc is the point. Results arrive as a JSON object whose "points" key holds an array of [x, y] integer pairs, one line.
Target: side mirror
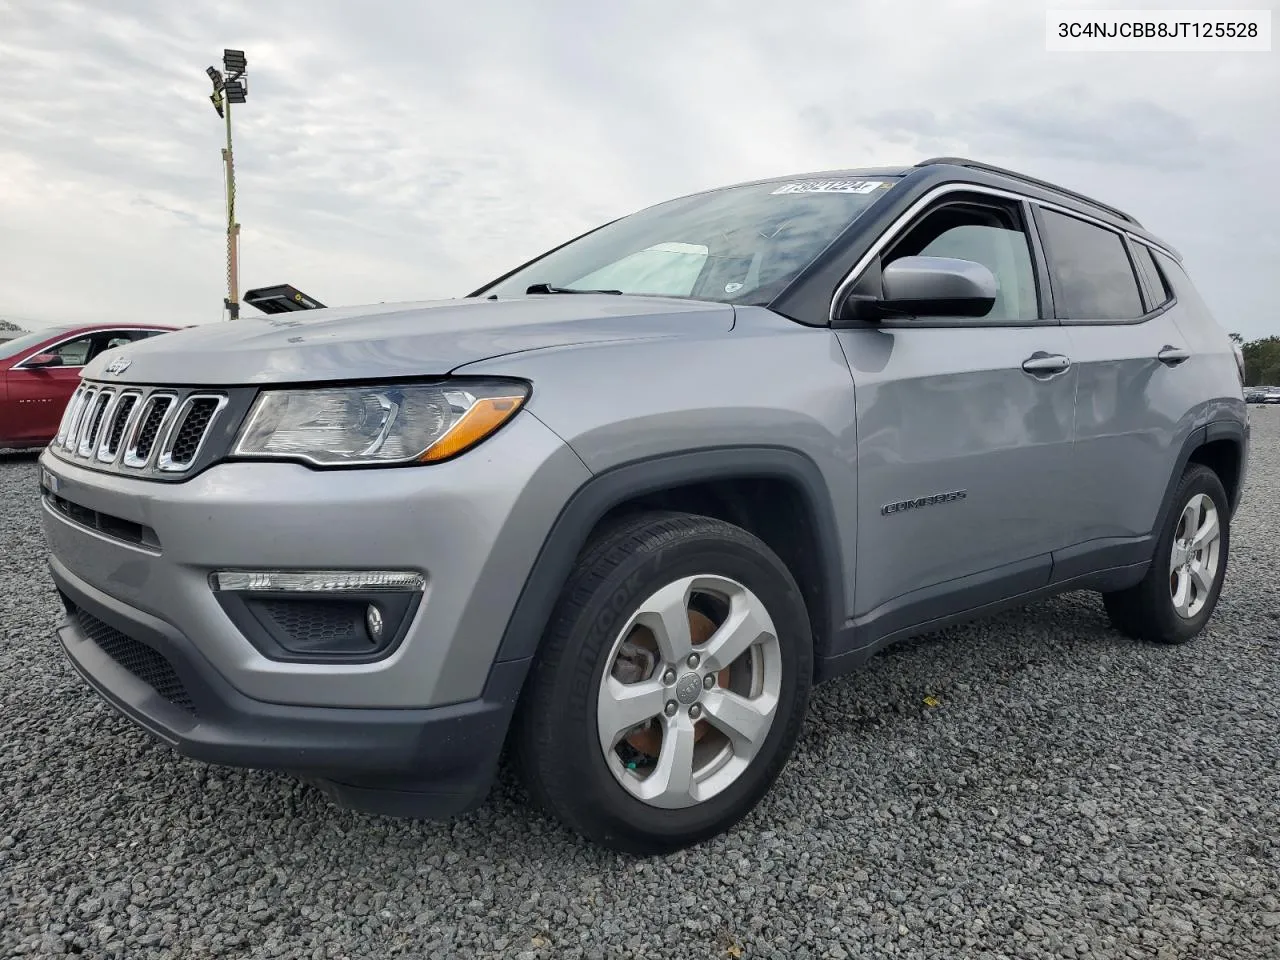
{"points": [[43, 360], [926, 286]]}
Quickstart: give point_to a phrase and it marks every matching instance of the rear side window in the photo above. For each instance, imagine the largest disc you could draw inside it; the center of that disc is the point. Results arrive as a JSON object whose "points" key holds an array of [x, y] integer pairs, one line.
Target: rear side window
{"points": [[1156, 283], [1094, 279]]}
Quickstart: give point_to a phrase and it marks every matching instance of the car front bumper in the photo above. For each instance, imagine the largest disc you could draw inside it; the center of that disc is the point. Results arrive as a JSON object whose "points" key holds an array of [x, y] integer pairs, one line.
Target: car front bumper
{"points": [[418, 729], [428, 762]]}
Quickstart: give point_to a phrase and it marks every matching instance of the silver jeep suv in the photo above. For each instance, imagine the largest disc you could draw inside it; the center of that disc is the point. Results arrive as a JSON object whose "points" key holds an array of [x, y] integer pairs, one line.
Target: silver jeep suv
{"points": [[617, 511]]}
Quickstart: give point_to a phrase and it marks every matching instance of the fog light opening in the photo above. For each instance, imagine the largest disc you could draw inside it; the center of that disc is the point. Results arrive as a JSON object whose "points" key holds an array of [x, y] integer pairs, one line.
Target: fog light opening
{"points": [[354, 616]]}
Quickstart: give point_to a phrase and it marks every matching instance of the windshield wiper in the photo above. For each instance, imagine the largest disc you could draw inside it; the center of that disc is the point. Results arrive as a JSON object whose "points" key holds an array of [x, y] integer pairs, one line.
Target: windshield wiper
{"points": [[548, 288]]}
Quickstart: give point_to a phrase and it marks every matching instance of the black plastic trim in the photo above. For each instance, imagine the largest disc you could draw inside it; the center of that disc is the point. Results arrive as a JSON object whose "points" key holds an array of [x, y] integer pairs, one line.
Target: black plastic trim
{"points": [[113, 527], [1040, 261], [426, 762], [1195, 439], [1160, 284], [945, 599], [607, 490], [1108, 579], [1146, 287], [1238, 433], [1101, 554], [397, 608], [1106, 564]]}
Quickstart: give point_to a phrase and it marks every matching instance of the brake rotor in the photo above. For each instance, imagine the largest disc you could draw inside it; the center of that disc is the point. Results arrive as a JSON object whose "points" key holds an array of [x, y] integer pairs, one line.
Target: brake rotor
{"points": [[648, 739]]}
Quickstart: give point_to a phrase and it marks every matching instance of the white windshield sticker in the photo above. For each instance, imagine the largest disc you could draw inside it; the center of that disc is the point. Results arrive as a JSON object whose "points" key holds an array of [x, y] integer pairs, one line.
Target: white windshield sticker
{"points": [[832, 186]]}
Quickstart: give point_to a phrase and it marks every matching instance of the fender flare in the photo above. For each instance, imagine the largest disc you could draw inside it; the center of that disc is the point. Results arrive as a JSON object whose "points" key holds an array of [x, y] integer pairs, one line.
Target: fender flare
{"points": [[1232, 430], [619, 484]]}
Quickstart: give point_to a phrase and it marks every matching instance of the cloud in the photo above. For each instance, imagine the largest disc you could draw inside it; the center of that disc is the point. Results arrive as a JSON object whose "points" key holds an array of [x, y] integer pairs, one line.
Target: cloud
{"points": [[1074, 123], [395, 151]]}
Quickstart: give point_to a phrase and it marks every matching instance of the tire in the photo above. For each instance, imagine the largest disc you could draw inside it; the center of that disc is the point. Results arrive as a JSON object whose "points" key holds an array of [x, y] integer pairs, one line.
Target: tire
{"points": [[559, 748], [1150, 611]]}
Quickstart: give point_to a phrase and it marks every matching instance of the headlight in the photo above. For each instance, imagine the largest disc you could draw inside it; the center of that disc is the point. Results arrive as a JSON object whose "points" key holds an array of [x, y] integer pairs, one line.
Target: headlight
{"points": [[395, 423]]}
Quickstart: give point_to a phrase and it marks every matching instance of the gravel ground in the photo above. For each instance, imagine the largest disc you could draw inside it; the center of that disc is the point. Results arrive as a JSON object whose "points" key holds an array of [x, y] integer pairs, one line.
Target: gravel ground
{"points": [[1071, 794]]}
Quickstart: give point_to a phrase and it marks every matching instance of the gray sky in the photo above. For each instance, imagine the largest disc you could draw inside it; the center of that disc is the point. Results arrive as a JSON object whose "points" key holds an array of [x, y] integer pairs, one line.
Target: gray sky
{"points": [[398, 151]]}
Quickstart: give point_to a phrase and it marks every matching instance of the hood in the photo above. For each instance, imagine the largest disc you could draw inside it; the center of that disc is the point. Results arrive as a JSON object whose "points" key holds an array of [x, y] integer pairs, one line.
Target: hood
{"points": [[397, 340]]}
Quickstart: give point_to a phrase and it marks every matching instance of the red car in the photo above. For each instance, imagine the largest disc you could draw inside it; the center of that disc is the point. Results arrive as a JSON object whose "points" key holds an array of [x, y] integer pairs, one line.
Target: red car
{"points": [[39, 372]]}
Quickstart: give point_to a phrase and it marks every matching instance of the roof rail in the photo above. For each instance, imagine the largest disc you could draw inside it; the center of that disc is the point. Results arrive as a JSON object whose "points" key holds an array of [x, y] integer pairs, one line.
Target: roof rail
{"points": [[989, 168]]}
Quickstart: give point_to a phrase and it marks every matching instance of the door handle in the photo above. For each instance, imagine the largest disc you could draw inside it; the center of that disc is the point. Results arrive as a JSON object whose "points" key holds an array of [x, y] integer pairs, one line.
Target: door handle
{"points": [[1172, 356], [1041, 363]]}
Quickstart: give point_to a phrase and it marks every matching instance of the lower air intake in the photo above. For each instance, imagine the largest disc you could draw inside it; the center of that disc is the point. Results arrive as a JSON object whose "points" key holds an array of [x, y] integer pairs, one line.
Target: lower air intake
{"points": [[146, 664]]}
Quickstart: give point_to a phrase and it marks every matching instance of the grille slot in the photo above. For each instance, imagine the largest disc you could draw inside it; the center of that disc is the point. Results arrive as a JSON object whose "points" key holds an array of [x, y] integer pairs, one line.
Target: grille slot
{"points": [[68, 416], [152, 417], [77, 420], [93, 422], [189, 428], [142, 661], [112, 526], [121, 412]]}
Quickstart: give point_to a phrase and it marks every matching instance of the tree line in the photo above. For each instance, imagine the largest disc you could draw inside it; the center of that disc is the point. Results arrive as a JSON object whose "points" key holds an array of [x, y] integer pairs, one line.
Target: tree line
{"points": [[1261, 360]]}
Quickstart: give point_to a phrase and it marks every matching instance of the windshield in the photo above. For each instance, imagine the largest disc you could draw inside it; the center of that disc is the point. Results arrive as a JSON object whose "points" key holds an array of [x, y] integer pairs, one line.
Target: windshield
{"points": [[11, 348], [736, 245]]}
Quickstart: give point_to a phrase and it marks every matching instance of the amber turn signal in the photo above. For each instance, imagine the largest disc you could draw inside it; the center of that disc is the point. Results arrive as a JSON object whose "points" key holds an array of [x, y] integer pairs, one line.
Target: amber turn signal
{"points": [[486, 415]]}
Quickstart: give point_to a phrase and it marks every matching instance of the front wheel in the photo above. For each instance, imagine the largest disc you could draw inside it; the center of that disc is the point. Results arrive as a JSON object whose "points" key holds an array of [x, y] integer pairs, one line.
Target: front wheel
{"points": [[1180, 591], [670, 688]]}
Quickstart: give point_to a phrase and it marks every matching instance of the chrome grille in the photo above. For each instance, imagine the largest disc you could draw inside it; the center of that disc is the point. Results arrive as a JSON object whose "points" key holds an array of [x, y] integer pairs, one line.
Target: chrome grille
{"points": [[188, 430], [154, 416], [68, 414], [79, 402], [137, 430], [120, 419], [95, 410]]}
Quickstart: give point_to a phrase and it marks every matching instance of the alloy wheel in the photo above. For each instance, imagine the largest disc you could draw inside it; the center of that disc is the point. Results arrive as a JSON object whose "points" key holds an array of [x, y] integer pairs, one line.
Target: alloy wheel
{"points": [[1195, 556], [690, 691]]}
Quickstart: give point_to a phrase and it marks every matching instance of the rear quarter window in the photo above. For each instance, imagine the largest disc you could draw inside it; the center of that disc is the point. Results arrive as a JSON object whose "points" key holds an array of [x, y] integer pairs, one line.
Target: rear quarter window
{"points": [[1092, 274], [1156, 282]]}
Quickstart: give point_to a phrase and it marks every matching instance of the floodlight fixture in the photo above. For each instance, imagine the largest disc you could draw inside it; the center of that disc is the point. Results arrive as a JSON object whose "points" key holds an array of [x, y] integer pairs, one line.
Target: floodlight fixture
{"points": [[230, 86]]}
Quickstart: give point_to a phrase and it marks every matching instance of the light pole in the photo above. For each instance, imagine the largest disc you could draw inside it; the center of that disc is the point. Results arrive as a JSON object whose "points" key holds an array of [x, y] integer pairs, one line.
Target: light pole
{"points": [[230, 86]]}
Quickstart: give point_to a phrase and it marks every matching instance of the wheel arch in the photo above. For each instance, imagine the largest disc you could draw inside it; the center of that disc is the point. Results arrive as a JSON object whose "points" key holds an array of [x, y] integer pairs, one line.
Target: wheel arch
{"points": [[701, 481], [1222, 447]]}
